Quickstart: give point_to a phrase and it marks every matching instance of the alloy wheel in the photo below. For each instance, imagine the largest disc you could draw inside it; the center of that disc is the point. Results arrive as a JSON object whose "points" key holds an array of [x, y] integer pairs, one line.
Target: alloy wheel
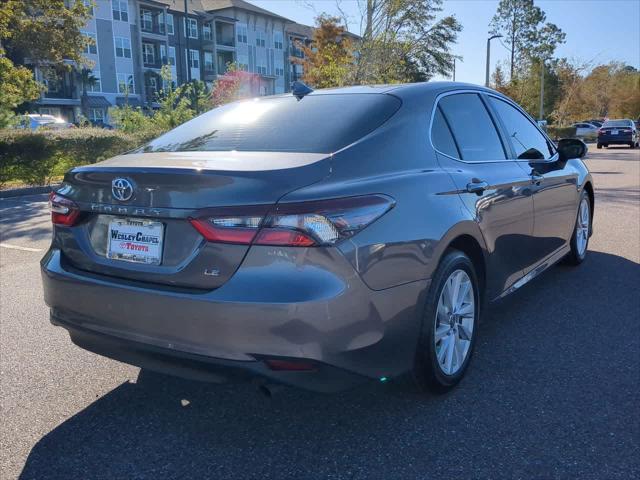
{"points": [[454, 322], [582, 226]]}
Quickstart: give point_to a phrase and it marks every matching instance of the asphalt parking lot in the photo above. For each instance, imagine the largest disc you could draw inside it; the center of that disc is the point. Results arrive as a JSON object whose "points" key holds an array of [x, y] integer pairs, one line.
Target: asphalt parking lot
{"points": [[553, 392]]}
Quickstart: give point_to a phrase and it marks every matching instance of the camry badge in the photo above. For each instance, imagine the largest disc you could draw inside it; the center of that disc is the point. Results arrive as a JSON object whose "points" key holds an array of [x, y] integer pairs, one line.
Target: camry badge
{"points": [[121, 189]]}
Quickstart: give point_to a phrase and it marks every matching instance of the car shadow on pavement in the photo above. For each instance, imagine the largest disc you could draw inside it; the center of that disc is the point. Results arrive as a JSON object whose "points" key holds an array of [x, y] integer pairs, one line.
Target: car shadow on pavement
{"points": [[537, 375]]}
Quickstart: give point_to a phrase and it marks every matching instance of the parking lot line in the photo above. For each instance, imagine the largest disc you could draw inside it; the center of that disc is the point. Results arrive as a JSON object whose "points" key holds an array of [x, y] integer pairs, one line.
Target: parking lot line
{"points": [[16, 247]]}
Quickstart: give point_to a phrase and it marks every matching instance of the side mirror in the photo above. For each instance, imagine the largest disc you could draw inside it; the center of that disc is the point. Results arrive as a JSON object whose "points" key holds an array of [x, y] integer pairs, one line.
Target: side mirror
{"points": [[572, 148]]}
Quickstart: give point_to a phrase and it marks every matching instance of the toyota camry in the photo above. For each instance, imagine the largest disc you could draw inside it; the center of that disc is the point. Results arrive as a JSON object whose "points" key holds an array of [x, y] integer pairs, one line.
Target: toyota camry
{"points": [[320, 239]]}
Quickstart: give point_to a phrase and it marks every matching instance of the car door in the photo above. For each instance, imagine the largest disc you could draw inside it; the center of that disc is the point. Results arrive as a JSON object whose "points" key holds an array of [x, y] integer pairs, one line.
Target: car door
{"points": [[493, 188], [555, 183]]}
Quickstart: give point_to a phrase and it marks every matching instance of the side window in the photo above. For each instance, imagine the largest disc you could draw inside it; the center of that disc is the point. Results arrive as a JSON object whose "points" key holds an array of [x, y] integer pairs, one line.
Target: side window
{"points": [[441, 136], [472, 128], [527, 141]]}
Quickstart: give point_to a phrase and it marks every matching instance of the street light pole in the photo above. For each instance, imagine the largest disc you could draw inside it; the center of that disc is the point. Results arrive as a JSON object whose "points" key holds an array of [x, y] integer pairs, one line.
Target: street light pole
{"points": [[454, 69], [541, 89], [486, 80]]}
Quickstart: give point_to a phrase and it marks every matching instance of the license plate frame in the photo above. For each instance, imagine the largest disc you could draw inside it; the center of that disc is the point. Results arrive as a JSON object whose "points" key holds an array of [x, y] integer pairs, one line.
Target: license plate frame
{"points": [[127, 246], [614, 132]]}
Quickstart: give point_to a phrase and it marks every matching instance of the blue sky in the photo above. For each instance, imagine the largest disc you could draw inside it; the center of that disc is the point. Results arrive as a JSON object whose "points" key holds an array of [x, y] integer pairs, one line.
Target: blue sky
{"points": [[597, 30]]}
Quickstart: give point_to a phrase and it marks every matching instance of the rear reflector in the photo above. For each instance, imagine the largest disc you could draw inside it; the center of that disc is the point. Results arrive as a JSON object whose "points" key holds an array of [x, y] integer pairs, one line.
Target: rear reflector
{"points": [[304, 224], [63, 211]]}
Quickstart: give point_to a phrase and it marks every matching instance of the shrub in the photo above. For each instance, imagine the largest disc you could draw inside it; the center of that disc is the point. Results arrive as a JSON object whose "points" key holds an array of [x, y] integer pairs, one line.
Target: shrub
{"points": [[37, 157]]}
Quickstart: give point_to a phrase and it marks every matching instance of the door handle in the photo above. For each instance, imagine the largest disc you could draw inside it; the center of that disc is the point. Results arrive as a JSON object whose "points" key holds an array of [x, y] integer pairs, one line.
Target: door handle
{"points": [[477, 186], [536, 178]]}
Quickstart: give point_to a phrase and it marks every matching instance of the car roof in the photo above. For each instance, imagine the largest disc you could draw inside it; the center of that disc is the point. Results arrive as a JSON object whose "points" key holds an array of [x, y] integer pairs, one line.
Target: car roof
{"points": [[401, 88]]}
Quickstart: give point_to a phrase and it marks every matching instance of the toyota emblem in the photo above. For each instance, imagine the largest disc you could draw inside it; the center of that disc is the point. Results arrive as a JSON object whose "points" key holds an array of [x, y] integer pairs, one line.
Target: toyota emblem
{"points": [[121, 189]]}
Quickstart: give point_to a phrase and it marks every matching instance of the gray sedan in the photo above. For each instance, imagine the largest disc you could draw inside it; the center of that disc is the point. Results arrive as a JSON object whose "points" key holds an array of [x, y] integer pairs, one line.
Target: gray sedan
{"points": [[320, 239]]}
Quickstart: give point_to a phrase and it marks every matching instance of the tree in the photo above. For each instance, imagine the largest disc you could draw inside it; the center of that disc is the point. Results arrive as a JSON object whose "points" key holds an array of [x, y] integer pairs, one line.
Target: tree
{"points": [[44, 31], [403, 41], [522, 24], [329, 58], [233, 85]]}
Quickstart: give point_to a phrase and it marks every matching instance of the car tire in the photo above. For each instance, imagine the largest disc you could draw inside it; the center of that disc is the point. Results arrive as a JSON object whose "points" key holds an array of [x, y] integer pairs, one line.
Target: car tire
{"points": [[581, 233], [440, 364], [632, 145], [599, 146]]}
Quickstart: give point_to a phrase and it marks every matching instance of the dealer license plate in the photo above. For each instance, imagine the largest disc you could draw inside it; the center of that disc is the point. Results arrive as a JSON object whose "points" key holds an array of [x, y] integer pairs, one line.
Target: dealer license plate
{"points": [[135, 240]]}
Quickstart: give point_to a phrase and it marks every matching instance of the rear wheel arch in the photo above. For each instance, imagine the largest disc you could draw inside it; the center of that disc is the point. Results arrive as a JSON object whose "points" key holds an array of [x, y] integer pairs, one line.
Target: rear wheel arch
{"points": [[468, 245]]}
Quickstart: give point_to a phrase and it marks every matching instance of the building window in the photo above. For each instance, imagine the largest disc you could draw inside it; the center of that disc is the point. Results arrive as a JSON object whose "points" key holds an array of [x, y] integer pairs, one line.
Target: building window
{"points": [[277, 40], [191, 27], [260, 38], [194, 58], [120, 10], [241, 30], [170, 23], [208, 61], [123, 47], [207, 31], [96, 115], [146, 20], [96, 86], [89, 5], [163, 53], [172, 56], [261, 69], [92, 45], [125, 83], [279, 71], [148, 53]]}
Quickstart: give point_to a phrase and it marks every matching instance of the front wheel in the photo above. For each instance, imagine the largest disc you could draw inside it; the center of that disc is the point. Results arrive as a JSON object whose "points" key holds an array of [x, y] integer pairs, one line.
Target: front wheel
{"points": [[599, 146], [449, 325], [581, 232]]}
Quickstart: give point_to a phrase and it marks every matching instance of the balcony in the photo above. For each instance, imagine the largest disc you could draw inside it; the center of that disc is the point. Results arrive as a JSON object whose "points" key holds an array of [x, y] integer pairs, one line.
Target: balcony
{"points": [[225, 35], [152, 21], [223, 59]]}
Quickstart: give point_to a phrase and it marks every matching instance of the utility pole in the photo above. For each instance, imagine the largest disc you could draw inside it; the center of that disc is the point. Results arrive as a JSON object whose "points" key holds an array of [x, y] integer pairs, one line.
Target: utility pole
{"points": [[486, 80], [541, 89], [454, 69], [186, 40]]}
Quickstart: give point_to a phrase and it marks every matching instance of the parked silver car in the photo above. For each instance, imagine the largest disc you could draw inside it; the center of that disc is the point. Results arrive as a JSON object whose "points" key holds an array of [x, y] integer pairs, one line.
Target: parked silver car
{"points": [[586, 130], [318, 239]]}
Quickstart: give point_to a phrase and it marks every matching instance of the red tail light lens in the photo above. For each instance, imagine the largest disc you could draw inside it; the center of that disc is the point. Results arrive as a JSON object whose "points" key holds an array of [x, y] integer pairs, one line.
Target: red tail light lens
{"points": [[305, 224], [63, 211]]}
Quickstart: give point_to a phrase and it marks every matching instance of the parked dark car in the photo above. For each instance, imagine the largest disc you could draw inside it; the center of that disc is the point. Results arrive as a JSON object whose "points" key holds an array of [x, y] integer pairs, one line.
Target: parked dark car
{"points": [[618, 132], [323, 240]]}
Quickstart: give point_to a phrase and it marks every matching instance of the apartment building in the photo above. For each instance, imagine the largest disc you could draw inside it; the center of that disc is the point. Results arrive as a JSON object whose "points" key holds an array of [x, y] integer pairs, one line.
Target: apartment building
{"points": [[133, 39]]}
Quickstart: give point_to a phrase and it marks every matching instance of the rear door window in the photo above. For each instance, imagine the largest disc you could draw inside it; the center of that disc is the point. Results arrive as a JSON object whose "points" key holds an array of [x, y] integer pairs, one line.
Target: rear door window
{"points": [[441, 136], [525, 138], [314, 124], [472, 128]]}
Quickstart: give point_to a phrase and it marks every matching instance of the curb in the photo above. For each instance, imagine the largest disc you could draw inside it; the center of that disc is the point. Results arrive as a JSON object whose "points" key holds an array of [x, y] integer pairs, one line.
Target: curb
{"points": [[19, 192]]}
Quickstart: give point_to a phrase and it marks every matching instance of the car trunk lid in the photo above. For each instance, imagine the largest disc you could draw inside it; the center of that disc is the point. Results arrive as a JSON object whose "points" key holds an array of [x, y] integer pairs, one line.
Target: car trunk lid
{"points": [[166, 190]]}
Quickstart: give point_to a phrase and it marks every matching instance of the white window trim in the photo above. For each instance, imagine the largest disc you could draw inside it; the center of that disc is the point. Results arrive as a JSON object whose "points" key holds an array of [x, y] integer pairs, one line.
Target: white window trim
{"points": [[188, 32], [92, 88], [94, 36], [169, 23], [120, 3], [171, 55], [132, 91], [115, 44], [143, 19], [145, 54]]}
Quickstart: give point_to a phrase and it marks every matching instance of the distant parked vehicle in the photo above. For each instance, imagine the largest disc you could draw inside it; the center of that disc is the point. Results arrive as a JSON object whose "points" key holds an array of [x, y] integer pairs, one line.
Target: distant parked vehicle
{"points": [[593, 121], [35, 121], [618, 132], [586, 130]]}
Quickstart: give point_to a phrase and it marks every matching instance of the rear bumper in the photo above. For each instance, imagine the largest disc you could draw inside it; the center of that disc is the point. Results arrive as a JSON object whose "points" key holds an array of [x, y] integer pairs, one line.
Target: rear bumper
{"points": [[275, 306], [616, 139]]}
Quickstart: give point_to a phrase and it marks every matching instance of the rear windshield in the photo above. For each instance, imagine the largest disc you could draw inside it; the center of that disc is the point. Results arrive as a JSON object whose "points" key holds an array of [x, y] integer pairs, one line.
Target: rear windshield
{"points": [[618, 123], [314, 124]]}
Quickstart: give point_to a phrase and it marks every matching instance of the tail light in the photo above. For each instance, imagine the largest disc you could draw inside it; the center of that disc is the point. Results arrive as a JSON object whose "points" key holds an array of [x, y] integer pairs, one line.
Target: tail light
{"points": [[601, 131], [305, 224], [63, 211]]}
